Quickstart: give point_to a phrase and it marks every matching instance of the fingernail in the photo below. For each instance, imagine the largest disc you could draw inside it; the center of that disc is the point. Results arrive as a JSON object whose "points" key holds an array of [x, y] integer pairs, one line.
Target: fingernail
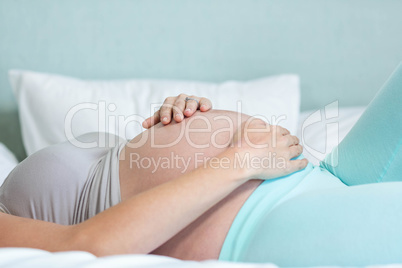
{"points": [[203, 106], [164, 119], [187, 110], [178, 116]]}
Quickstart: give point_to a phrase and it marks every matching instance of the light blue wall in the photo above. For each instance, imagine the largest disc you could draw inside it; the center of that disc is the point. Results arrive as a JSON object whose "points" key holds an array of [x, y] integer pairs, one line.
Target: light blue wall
{"points": [[342, 49]]}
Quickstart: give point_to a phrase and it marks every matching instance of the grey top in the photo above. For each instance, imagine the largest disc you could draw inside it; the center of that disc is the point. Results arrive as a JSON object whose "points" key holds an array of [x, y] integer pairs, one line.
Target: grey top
{"points": [[63, 183], [3, 209]]}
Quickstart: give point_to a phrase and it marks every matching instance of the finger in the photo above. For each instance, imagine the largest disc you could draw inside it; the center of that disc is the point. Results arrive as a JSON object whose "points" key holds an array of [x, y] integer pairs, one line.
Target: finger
{"points": [[178, 107], [292, 140], [191, 106], [279, 131], [296, 165], [282, 130], [150, 121], [166, 110], [295, 151], [205, 105]]}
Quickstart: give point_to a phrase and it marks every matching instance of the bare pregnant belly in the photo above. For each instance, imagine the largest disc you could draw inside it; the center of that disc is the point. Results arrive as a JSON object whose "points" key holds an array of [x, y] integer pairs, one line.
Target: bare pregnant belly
{"points": [[166, 152]]}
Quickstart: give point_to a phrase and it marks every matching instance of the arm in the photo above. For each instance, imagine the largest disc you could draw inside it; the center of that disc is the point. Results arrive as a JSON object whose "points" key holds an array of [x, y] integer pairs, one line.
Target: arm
{"points": [[154, 216]]}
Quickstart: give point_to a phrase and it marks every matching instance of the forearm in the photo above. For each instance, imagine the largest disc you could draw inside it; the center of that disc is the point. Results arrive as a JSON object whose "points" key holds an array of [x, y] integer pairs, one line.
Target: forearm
{"points": [[23, 232], [147, 220]]}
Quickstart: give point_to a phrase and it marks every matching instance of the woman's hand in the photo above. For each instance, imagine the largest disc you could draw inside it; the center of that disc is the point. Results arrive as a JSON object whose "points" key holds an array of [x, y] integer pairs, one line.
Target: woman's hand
{"points": [[266, 151], [178, 108]]}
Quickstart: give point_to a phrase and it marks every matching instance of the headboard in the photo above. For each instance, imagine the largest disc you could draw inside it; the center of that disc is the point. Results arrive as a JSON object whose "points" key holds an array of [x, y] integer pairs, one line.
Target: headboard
{"points": [[343, 50]]}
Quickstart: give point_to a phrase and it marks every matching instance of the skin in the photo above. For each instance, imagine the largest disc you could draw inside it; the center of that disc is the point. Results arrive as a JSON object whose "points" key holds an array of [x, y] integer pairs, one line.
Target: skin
{"points": [[203, 238], [172, 200]]}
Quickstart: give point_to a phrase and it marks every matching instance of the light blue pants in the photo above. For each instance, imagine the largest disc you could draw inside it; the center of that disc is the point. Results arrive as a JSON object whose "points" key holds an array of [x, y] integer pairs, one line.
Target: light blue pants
{"points": [[348, 211]]}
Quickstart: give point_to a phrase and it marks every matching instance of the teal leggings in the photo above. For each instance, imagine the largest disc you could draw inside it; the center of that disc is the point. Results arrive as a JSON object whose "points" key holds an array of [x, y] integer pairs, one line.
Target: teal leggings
{"points": [[347, 211]]}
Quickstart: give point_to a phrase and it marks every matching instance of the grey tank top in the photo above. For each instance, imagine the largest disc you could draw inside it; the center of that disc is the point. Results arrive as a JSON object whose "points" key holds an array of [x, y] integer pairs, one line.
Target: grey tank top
{"points": [[64, 184], [3, 209]]}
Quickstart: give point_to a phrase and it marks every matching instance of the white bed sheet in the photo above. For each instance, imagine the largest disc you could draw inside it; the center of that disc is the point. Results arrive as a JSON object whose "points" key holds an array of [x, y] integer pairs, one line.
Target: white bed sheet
{"points": [[7, 162], [25, 257], [321, 130]]}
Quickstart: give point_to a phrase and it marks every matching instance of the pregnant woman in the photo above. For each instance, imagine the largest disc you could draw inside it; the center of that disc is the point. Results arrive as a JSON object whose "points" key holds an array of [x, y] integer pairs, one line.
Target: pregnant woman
{"points": [[203, 188]]}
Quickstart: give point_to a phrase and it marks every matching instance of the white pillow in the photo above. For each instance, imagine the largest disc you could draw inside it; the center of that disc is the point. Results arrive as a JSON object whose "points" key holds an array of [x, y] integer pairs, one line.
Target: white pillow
{"points": [[48, 102], [7, 162], [321, 130]]}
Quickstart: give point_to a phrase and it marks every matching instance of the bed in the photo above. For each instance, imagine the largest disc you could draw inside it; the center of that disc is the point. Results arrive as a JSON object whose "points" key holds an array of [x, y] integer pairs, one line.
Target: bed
{"points": [[340, 52]]}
